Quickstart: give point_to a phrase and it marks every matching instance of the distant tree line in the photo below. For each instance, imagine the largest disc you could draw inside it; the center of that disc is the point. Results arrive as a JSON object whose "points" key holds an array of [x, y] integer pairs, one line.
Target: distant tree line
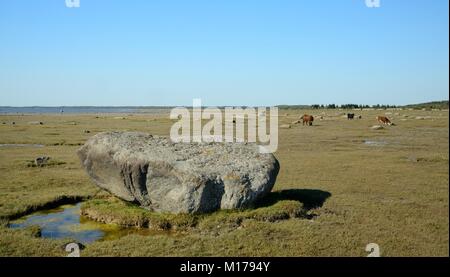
{"points": [[352, 106], [430, 105]]}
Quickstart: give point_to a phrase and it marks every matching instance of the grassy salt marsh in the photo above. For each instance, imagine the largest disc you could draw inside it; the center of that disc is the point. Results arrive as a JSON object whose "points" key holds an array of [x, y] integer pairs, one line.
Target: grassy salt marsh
{"points": [[340, 187]]}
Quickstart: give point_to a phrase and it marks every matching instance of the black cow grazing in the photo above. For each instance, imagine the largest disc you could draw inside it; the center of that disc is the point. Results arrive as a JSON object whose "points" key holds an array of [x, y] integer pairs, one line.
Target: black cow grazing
{"points": [[350, 116]]}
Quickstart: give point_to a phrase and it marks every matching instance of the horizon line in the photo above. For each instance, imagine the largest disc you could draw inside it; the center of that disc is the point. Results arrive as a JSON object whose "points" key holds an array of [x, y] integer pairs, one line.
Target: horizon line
{"points": [[171, 106]]}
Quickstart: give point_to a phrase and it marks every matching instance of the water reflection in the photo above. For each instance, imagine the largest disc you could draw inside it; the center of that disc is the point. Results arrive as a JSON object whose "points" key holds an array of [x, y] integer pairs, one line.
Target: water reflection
{"points": [[66, 222]]}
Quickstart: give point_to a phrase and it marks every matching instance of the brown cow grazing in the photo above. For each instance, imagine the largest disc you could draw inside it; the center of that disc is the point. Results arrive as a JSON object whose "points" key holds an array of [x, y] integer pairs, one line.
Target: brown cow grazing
{"points": [[350, 116], [308, 119], [384, 120]]}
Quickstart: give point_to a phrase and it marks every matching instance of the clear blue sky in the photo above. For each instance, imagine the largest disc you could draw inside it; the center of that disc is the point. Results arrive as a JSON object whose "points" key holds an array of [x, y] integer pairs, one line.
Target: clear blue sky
{"points": [[228, 52]]}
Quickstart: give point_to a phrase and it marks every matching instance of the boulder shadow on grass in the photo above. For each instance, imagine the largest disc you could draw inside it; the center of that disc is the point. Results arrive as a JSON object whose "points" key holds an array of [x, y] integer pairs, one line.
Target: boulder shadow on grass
{"points": [[310, 198]]}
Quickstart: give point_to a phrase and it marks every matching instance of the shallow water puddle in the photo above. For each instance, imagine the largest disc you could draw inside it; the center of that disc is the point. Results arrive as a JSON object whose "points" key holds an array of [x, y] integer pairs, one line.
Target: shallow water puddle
{"points": [[375, 142], [21, 145], [66, 222]]}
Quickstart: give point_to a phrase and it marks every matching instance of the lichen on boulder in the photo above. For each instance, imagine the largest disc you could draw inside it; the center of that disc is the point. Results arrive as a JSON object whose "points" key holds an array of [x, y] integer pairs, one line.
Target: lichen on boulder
{"points": [[178, 177]]}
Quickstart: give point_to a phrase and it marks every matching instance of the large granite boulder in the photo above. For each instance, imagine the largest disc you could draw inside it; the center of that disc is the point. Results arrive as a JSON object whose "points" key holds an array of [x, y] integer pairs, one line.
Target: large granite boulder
{"points": [[178, 177]]}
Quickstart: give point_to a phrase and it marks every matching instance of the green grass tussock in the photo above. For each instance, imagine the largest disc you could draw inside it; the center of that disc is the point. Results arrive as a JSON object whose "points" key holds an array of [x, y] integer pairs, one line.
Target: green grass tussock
{"points": [[114, 211]]}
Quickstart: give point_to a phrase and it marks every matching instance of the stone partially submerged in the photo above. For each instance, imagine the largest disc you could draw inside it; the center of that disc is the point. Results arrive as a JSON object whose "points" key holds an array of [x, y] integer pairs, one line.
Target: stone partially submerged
{"points": [[178, 177]]}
